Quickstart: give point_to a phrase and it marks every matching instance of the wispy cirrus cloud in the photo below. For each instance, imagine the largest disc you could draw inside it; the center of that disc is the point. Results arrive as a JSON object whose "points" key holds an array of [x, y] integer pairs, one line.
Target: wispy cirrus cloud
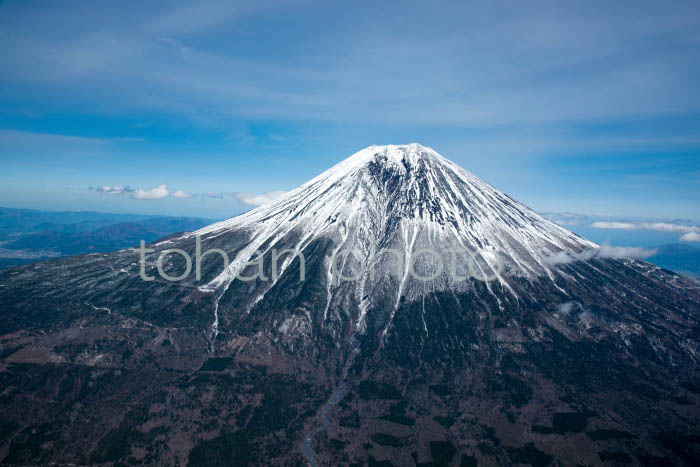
{"points": [[570, 72]]}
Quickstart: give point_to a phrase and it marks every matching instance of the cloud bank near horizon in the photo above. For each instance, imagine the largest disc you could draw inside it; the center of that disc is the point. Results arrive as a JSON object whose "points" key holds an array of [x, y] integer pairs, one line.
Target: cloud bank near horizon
{"points": [[604, 251], [161, 192], [691, 232]]}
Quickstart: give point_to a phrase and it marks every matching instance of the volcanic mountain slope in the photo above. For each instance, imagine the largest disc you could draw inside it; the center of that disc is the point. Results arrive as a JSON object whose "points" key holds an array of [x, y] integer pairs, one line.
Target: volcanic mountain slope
{"points": [[483, 333]]}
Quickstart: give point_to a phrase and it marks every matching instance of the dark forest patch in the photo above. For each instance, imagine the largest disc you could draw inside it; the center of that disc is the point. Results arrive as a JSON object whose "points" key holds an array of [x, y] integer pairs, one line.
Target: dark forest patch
{"points": [[565, 422], [378, 390], [530, 455], [216, 364], [605, 434]]}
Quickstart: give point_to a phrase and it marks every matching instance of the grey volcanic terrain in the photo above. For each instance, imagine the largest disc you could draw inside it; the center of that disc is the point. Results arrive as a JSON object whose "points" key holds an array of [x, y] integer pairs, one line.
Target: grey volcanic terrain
{"points": [[550, 353]]}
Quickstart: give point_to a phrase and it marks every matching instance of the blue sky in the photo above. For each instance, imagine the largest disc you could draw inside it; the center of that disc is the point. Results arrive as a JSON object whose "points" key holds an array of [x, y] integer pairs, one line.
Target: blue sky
{"points": [[588, 107]]}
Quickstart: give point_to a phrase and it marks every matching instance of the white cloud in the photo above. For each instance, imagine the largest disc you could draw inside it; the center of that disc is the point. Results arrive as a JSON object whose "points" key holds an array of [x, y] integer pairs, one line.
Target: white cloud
{"points": [[572, 215], [251, 199], [692, 232], [181, 194], [256, 199], [691, 237], [609, 251], [604, 251], [113, 190], [565, 258], [565, 218], [159, 192], [666, 227], [216, 195], [658, 226], [613, 225], [565, 308], [565, 222]]}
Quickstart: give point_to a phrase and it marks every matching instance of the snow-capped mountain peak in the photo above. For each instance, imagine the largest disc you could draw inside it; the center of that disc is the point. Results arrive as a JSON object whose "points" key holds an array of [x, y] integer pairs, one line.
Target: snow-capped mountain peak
{"points": [[406, 198]]}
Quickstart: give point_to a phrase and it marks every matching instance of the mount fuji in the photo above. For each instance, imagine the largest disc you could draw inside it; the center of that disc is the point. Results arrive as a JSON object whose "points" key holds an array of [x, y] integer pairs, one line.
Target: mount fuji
{"points": [[394, 310]]}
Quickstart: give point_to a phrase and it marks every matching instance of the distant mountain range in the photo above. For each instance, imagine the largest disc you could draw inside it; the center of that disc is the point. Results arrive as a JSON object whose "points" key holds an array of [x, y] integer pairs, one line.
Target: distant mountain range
{"points": [[27, 235]]}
